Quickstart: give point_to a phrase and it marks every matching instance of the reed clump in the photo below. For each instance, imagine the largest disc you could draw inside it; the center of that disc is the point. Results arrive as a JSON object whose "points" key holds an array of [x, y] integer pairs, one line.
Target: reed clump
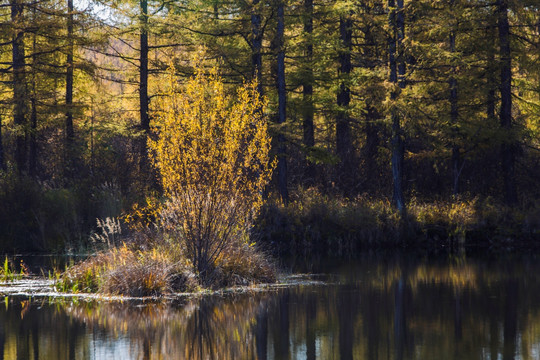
{"points": [[162, 269], [126, 270]]}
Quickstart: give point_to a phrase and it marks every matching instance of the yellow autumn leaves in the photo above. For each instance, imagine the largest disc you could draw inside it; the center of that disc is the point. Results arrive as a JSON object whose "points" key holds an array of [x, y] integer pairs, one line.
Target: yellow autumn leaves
{"points": [[212, 152], [209, 140]]}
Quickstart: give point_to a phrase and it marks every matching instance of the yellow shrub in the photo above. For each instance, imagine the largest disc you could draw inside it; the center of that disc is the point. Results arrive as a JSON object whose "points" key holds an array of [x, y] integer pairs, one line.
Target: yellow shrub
{"points": [[212, 152]]}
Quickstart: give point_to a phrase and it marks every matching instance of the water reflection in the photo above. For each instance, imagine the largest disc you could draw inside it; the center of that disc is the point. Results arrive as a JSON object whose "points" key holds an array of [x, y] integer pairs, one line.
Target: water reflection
{"points": [[398, 308]]}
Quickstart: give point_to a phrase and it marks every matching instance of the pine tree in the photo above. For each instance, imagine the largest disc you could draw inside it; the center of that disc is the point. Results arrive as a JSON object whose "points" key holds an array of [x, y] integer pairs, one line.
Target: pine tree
{"points": [[281, 116], [397, 73], [19, 84]]}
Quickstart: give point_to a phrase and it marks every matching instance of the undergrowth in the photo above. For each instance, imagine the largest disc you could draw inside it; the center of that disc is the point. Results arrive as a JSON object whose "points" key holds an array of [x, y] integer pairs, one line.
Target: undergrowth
{"points": [[319, 223]]}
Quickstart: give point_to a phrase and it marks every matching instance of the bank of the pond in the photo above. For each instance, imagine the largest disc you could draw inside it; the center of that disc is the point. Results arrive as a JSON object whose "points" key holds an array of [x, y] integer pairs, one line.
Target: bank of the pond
{"points": [[314, 223], [36, 287]]}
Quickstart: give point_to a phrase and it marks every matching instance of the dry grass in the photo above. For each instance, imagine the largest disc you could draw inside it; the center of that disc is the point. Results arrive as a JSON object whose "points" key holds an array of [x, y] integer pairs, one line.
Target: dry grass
{"points": [[243, 266], [129, 271], [162, 269], [320, 223]]}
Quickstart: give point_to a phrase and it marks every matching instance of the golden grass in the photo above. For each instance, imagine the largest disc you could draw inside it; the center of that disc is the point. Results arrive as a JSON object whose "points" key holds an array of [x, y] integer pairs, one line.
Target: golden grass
{"points": [[130, 271]]}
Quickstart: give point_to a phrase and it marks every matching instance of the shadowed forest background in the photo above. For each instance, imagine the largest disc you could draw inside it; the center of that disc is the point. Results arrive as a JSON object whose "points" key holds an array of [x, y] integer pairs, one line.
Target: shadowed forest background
{"points": [[426, 111]]}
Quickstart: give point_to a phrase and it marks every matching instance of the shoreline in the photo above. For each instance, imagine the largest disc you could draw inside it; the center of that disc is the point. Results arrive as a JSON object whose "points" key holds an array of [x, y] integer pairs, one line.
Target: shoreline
{"points": [[38, 287]]}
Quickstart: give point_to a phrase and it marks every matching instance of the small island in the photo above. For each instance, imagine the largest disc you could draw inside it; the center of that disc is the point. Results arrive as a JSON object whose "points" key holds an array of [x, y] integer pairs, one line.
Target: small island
{"points": [[211, 152]]}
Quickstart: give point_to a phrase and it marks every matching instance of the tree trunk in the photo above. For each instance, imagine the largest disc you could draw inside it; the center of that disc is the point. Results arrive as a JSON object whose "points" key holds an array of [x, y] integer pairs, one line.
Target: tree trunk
{"points": [[509, 146], [143, 87], [370, 150], [454, 115], [492, 85], [397, 67], [282, 104], [256, 46], [2, 161], [344, 147], [307, 90], [491, 78], [32, 162], [19, 86], [70, 134], [372, 116]]}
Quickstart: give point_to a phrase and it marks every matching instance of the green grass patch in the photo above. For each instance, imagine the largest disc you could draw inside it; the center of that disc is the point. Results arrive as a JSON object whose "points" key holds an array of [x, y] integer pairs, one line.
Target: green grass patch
{"points": [[10, 272]]}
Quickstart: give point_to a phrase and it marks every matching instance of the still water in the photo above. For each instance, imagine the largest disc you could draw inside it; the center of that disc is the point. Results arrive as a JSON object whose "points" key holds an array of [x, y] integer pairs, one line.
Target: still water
{"points": [[376, 307]]}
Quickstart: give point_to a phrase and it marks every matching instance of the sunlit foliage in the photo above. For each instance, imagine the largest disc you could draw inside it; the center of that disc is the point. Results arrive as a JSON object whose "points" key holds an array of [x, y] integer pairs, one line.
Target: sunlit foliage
{"points": [[212, 152]]}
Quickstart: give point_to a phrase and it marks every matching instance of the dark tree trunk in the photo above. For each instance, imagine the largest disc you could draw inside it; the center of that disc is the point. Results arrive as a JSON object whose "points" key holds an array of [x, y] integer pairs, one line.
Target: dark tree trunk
{"points": [[2, 161], [508, 147], [492, 85], [70, 133], [143, 86], [491, 79], [397, 74], [307, 89], [344, 147], [372, 116], [32, 161], [370, 150], [282, 104], [256, 46], [454, 115], [19, 86]]}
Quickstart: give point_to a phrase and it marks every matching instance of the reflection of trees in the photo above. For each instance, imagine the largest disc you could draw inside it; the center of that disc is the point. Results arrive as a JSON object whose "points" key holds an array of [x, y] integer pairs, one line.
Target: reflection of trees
{"points": [[205, 328], [28, 332], [311, 313], [281, 324], [390, 309], [398, 309], [261, 331]]}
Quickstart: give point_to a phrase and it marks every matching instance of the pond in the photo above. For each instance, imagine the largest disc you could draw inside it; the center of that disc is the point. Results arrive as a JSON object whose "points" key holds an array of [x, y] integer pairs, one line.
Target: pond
{"points": [[378, 306]]}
